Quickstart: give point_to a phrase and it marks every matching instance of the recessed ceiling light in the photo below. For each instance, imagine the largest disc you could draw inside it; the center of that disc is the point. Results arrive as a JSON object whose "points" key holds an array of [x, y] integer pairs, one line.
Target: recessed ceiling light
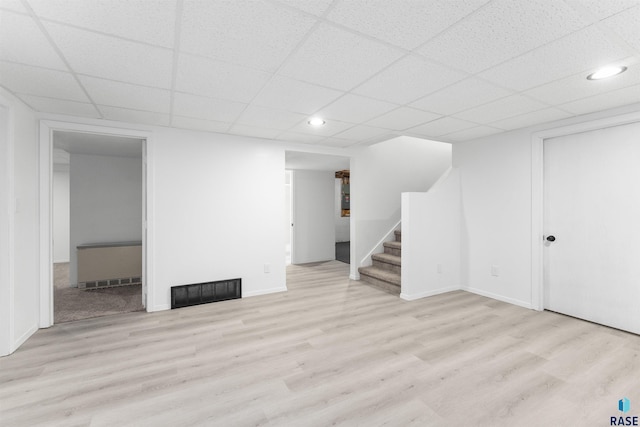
{"points": [[605, 72], [316, 121]]}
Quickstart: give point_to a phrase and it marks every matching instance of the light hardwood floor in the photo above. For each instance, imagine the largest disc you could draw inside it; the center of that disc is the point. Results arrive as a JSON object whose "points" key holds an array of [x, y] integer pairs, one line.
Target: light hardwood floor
{"points": [[328, 352]]}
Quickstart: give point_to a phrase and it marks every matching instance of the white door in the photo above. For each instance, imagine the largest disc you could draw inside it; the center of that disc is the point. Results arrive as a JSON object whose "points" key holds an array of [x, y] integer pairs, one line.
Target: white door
{"points": [[592, 208], [314, 231]]}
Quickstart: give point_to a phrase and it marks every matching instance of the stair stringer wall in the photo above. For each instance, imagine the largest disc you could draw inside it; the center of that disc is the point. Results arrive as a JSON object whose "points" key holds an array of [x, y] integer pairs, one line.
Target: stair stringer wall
{"points": [[431, 236]]}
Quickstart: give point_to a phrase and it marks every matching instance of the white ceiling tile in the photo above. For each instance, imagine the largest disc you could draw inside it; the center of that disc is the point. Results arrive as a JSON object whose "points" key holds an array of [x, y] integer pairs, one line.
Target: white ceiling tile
{"points": [[576, 52], [403, 118], [217, 79], [339, 142], [577, 86], [269, 118], [627, 25], [336, 58], [40, 82], [22, 41], [472, 133], [355, 109], [134, 116], [409, 79], [291, 95], [199, 107], [315, 7], [500, 31], [502, 108], [125, 95], [461, 96], [49, 105], [400, 22], [199, 124], [599, 9], [302, 138], [113, 58], [530, 119], [14, 5], [440, 127], [330, 128], [617, 98], [250, 32], [363, 133], [149, 21], [253, 131]]}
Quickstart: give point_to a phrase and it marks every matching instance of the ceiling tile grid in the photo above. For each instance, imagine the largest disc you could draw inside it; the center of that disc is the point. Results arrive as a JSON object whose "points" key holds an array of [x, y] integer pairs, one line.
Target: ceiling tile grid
{"points": [[339, 59], [112, 58], [60, 106], [22, 41], [500, 31], [454, 70], [406, 24], [252, 33], [409, 79], [148, 21], [24, 79]]}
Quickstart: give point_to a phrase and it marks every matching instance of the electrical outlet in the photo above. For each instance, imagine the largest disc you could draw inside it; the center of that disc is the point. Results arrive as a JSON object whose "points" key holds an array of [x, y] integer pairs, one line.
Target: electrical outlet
{"points": [[439, 268], [267, 268], [495, 270]]}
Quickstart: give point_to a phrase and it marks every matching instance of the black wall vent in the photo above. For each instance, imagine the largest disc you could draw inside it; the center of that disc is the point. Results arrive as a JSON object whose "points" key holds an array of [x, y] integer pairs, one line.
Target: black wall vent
{"points": [[202, 293]]}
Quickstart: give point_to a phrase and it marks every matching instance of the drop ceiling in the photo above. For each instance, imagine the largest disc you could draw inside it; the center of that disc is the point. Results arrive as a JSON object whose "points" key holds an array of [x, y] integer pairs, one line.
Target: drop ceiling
{"points": [[373, 69]]}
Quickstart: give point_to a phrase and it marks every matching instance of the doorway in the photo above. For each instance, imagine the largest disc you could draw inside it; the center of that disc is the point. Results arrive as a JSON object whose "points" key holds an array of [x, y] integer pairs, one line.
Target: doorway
{"points": [[97, 225], [49, 129], [592, 236]]}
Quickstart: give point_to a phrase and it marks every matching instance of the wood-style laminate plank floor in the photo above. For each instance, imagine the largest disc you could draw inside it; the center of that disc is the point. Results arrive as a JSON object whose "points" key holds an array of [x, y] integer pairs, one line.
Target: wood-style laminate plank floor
{"points": [[330, 351]]}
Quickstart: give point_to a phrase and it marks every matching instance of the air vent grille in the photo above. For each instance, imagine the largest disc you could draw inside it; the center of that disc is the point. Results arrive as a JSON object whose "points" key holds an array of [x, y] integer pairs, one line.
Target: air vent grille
{"points": [[202, 293]]}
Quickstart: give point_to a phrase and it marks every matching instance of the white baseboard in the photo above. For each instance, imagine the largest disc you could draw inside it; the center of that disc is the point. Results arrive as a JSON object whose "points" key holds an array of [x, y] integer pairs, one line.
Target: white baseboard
{"points": [[160, 307], [499, 297], [411, 297], [264, 292], [354, 276], [15, 345]]}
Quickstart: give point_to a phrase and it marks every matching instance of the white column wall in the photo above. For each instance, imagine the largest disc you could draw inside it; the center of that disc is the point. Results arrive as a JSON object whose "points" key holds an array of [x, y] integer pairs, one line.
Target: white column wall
{"points": [[19, 282], [431, 239]]}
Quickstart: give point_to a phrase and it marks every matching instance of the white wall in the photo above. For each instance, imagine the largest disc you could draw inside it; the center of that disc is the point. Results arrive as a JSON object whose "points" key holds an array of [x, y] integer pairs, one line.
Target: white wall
{"points": [[217, 207], [431, 239], [6, 225], [341, 223], [19, 201], [61, 230], [379, 174], [105, 202], [496, 182], [313, 218]]}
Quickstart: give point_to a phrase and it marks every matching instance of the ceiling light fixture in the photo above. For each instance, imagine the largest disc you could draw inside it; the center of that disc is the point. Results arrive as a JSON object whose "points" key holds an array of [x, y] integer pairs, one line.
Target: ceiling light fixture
{"points": [[608, 71], [316, 121]]}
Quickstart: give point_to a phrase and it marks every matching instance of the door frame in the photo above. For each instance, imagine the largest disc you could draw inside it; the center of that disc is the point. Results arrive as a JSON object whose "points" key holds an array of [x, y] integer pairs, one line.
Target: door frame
{"points": [[47, 127], [537, 193]]}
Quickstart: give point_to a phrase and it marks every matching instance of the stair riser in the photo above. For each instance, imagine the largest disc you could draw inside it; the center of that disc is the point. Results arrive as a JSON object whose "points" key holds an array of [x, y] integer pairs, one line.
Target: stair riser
{"points": [[398, 235], [381, 284], [393, 251], [386, 266]]}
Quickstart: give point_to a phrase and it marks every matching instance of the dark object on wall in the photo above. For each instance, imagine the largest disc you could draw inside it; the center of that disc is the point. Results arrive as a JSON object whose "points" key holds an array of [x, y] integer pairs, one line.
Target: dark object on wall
{"points": [[345, 197], [202, 293]]}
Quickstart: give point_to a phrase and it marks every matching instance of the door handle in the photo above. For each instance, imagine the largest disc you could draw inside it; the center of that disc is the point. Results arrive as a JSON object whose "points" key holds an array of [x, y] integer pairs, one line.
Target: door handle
{"points": [[551, 238]]}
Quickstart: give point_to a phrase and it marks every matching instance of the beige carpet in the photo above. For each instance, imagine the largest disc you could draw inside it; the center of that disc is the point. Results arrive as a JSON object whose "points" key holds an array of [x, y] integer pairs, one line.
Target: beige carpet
{"points": [[71, 304]]}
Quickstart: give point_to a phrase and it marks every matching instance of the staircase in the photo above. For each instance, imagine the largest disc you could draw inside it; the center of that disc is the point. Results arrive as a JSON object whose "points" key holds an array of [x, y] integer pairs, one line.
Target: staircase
{"points": [[385, 271]]}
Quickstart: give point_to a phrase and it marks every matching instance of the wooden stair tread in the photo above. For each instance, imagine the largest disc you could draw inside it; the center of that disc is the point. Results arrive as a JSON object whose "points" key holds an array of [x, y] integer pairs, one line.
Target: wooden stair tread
{"points": [[388, 258], [395, 245], [380, 274]]}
